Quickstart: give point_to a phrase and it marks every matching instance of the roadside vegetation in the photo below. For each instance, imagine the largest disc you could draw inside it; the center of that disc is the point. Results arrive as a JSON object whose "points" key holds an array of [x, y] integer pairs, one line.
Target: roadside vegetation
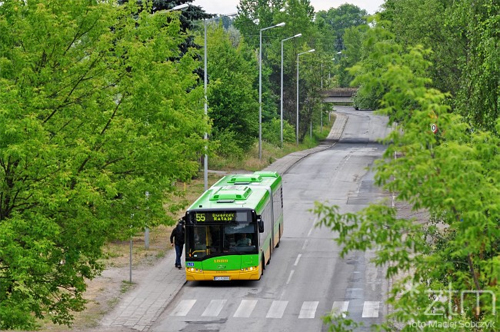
{"points": [[102, 125], [438, 92]]}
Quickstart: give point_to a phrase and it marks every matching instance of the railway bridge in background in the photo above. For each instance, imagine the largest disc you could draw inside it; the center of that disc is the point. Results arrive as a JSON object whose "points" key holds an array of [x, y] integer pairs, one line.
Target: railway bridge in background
{"points": [[339, 96]]}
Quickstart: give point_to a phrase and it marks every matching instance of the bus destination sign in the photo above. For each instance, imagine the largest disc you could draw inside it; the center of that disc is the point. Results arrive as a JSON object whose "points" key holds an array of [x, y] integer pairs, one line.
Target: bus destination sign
{"points": [[217, 217]]}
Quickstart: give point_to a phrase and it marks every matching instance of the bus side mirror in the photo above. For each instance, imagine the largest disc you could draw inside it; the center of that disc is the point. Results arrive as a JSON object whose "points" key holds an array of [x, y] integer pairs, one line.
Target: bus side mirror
{"points": [[260, 222]]}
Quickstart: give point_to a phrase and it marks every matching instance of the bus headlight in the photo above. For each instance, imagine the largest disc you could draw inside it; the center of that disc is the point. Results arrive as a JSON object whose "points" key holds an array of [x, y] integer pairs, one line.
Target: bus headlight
{"points": [[251, 268]]}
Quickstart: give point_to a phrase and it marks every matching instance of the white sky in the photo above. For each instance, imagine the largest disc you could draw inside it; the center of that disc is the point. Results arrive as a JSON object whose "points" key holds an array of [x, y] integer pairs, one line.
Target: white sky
{"points": [[229, 6]]}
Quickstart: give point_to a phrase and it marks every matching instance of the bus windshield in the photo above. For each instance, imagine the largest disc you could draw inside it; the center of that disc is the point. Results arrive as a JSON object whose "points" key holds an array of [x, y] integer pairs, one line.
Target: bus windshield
{"points": [[214, 240]]}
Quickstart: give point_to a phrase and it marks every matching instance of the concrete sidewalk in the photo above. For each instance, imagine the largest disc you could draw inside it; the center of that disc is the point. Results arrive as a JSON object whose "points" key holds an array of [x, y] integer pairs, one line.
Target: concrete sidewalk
{"points": [[139, 309]]}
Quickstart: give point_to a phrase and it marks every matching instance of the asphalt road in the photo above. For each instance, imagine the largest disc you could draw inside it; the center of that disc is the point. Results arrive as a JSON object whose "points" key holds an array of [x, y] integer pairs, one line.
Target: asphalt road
{"points": [[306, 279]]}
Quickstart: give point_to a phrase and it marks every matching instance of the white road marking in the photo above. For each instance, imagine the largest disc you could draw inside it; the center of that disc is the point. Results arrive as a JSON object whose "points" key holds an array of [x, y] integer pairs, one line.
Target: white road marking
{"points": [[308, 309], [277, 309], [370, 309], [183, 308], [245, 309], [340, 307], [297, 260], [214, 308], [290, 277]]}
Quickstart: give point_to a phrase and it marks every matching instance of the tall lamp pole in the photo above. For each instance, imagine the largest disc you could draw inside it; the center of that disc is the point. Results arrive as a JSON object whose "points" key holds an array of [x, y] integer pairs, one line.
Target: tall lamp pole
{"points": [[281, 99], [297, 124], [260, 84], [205, 79]]}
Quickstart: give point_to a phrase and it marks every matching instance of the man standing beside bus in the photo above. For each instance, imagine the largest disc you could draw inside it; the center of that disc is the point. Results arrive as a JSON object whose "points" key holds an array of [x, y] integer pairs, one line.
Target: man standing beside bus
{"points": [[177, 237]]}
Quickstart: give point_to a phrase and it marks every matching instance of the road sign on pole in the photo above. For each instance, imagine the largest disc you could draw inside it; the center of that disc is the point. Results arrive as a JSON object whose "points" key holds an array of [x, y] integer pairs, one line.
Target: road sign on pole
{"points": [[434, 128]]}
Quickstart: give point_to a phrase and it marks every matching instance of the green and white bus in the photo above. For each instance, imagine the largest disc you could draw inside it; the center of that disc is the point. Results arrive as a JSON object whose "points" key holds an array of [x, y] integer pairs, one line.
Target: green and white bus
{"points": [[233, 228]]}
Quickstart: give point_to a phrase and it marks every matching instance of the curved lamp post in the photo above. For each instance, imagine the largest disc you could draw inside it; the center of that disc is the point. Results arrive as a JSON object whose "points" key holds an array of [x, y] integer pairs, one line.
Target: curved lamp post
{"points": [[281, 99], [260, 84], [297, 125], [179, 7]]}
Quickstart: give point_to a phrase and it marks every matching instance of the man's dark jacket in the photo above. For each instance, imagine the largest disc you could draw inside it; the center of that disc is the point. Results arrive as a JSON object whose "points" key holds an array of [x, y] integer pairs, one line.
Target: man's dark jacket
{"points": [[178, 234]]}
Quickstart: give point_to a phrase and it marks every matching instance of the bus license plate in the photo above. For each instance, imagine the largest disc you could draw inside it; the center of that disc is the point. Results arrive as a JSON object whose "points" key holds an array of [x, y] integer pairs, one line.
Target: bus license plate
{"points": [[221, 278]]}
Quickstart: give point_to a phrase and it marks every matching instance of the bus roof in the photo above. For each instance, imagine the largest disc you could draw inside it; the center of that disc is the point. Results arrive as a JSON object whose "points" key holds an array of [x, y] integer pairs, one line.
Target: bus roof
{"points": [[232, 197], [257, 179]]}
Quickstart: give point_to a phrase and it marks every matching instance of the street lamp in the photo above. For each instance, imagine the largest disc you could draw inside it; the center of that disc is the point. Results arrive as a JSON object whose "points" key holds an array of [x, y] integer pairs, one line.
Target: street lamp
{"points": [[260, 84], [281, 106], [179, 7], [205, 81], [297, 124]]}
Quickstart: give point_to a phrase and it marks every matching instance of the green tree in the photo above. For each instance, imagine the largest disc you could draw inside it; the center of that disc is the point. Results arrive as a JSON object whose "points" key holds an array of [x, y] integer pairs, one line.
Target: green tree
{"points": [[378, 47], [352, 54], [189, 16], [326, 32], [298, 16], [310, 103], [453, 174], [341, 18], [91, 118], [341, 30], [254, 15], [462, 35], [271, 132], [434, 25], [478, 97], [232, 96]]}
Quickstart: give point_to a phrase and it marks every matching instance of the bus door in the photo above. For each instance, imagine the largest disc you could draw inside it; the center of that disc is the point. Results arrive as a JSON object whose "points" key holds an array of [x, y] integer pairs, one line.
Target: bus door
{"points": [[204, 241]]}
